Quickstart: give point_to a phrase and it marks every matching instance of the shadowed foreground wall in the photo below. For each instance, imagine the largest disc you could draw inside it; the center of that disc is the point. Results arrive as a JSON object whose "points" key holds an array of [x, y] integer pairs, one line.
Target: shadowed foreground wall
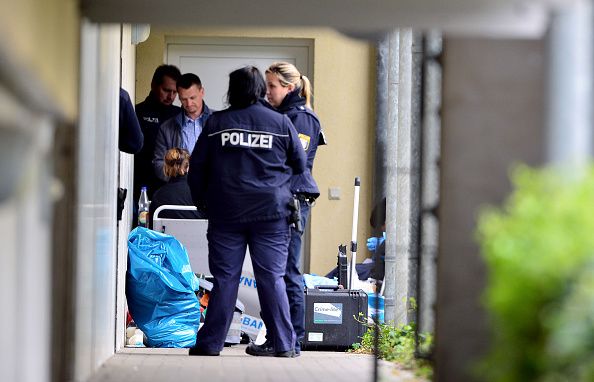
{"points": [[492, 118]]}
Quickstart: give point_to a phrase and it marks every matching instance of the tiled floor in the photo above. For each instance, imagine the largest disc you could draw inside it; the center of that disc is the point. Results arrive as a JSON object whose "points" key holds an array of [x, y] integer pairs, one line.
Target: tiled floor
{"points": [[233, 365]]}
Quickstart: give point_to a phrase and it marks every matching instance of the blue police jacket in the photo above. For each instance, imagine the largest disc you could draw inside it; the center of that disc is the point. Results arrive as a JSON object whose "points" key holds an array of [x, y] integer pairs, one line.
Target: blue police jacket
{"points": [[308, 127], [151, 114], [242, 165], [130, 134]]}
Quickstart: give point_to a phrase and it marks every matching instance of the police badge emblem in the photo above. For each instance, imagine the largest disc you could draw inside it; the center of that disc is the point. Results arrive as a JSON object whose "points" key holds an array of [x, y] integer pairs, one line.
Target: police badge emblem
{"points": [[304, 141]]}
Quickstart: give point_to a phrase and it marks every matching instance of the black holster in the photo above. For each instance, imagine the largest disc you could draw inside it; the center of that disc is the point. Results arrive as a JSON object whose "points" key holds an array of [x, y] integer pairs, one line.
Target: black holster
{"points": [[295, 216]]}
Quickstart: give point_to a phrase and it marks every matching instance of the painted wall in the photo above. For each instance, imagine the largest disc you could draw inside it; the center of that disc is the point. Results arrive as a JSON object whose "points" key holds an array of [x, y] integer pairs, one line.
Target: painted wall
{"points": [[344, 92], [97, 182], [38, 101], [43, 40], [126, 178]]}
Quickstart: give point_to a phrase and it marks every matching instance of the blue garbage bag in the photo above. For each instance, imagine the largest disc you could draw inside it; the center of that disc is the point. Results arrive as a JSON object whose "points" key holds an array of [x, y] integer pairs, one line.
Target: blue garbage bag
{"points": [[160, 289]]}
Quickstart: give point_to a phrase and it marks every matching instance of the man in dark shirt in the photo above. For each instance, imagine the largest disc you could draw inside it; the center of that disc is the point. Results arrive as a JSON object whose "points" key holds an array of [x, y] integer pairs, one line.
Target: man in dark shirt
{"points": [[152, 112]]}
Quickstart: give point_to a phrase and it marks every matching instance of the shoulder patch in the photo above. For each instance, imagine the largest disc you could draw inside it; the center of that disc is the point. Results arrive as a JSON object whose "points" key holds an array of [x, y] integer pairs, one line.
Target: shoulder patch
{"points": [[305, 139]]}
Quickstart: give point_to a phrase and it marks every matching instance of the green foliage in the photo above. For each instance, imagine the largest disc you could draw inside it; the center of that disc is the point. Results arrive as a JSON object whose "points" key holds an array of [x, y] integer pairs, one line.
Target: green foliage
{"points": [[539, 250], [396, 343]]}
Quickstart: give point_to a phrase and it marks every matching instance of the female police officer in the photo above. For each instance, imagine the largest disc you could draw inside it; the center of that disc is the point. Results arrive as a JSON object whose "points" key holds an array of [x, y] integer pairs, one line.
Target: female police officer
{"points": [[241, 170], [290, 93]]}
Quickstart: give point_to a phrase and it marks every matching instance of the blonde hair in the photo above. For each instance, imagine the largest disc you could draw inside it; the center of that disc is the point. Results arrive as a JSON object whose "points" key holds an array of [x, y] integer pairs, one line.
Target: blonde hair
{"points": [[288, 74], [177, 162]]}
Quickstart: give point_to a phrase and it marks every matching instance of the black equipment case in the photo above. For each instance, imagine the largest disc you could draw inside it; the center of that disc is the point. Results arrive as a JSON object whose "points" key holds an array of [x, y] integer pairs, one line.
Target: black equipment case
{"points": [[334, 318]]}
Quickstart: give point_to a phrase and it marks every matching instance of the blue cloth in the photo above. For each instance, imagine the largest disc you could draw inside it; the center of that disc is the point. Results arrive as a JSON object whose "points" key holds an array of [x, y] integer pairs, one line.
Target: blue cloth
{"points": [[311, 281], [160, 289], [227, 244], [374, 242], [294, 279]]}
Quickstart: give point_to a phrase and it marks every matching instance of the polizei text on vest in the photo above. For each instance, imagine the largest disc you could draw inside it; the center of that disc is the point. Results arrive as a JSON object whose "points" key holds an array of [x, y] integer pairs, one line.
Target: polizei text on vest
{"points": [[243, 139]]}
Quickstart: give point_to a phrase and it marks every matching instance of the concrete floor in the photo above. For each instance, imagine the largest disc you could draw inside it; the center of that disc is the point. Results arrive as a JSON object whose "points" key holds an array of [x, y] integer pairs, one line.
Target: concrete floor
{"points": [[233, 365]]}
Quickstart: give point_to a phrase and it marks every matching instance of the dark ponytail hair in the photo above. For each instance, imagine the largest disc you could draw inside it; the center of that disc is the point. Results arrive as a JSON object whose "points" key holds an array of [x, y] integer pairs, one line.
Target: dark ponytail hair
{"points": [[246, 87]]}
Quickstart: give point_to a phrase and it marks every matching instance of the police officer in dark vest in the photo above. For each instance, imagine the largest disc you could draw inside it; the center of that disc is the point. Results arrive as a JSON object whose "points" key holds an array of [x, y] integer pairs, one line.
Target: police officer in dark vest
{"points": [[241, 171], [152, 112]]}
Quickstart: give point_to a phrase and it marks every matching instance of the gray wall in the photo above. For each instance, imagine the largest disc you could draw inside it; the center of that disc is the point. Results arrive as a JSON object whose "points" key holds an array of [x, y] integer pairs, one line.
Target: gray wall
{"points": [[492, 118]]}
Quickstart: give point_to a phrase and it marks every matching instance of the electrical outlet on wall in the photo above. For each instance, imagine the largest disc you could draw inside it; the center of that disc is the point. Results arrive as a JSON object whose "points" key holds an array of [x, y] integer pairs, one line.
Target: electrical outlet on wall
{"points": [[334, 193]]}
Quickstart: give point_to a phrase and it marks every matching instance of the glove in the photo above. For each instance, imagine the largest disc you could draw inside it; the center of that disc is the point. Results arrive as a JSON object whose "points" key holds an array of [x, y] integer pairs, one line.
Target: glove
{"points": [[374, 242]]}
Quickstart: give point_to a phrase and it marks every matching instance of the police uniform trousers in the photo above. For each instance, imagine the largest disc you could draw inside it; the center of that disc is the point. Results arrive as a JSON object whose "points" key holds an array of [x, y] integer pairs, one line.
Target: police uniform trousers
{"points": [[268, 243], [294, 278]]}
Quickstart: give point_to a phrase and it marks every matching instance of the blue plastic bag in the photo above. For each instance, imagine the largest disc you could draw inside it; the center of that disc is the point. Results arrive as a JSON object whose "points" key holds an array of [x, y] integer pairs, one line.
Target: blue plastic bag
{"points": [[160, 289], [374, 313], [311, 280]]}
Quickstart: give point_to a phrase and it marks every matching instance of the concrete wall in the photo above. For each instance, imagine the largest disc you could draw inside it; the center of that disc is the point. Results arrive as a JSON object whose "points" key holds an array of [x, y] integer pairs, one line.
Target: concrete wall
{"points": [[344, 90], [493, 109]]}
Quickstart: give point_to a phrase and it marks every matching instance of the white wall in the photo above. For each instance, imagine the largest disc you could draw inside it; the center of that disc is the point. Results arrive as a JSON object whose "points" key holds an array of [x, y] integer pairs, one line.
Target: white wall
{"points": [[97, 182], [126, 178]]}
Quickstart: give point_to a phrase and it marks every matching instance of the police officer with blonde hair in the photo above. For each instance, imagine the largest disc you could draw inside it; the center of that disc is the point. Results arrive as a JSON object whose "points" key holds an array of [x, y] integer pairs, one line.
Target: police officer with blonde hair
{"points": [[241, 170], [289, 92]]}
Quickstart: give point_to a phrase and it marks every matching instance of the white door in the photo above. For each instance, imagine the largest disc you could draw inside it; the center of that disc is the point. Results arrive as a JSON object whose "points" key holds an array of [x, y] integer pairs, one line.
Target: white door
{"points": [[212, 59]]}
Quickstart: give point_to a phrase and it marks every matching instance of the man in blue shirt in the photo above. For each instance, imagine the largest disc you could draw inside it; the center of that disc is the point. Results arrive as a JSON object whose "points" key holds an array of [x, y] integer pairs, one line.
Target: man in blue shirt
{"points": [[183, 129]]}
